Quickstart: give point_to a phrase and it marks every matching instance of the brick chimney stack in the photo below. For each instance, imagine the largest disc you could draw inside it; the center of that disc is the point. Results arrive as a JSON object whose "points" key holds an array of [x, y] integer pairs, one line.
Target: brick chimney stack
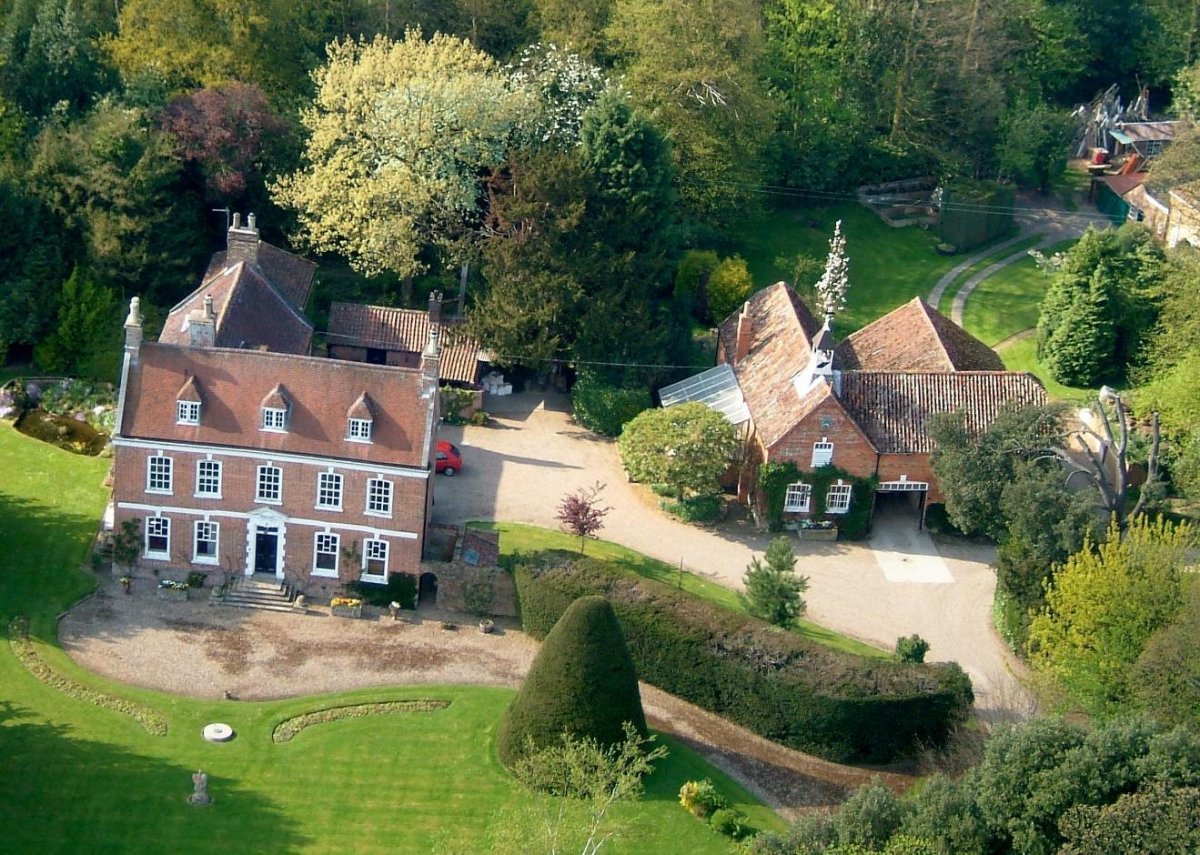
{"points": [[242, 242], [202, 325], [133, 330], [745, 334]]}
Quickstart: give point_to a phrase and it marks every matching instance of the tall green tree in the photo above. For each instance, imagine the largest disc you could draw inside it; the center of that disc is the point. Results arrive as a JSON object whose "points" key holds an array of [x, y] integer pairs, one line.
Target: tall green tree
{"points": [[87, 337], [1105, 603], [693, 68], [34, 266], [1034, 145], [774, 591]]}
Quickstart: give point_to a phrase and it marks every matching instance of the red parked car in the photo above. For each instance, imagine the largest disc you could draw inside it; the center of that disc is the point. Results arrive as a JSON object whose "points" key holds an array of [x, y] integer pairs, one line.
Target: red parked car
{"points": [[449, 458]]}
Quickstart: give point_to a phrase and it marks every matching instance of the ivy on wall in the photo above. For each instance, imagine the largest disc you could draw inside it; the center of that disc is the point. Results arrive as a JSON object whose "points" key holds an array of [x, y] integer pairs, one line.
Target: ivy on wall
{"points": [[774, 478]]}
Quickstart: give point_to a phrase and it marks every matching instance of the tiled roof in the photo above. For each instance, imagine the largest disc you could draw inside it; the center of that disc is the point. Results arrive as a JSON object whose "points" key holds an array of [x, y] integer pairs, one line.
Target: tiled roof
{"points": [[290, 274], [362, 408], [406, 331], [779, 349], [189, 391], [915, 337], [320, 393], [1122, 184], [892, 406], [251, 313]]}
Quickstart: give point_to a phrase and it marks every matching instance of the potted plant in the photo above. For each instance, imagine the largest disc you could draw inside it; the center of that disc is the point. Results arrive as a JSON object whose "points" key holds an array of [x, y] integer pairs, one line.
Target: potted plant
{"points": [[350, 607], [170, 590], [817, 530], [487, 626]]}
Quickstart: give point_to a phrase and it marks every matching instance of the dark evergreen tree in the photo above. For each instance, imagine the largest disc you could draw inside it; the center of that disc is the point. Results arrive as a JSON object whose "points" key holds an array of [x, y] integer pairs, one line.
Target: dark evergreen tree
{"points": [[582, 683]]}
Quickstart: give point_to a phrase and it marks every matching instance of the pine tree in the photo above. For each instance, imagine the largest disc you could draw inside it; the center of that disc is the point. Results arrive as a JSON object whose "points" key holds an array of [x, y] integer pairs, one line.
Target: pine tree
{"points": [[773, 590]]}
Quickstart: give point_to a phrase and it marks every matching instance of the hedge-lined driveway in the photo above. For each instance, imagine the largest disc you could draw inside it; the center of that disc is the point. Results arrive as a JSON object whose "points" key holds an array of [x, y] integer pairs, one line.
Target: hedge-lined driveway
{"points": [[531, 454]]}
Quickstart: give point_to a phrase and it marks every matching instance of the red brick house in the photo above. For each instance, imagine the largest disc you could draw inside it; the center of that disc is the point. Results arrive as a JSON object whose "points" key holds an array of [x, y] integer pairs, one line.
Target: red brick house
{"points": [[859, 405], [239, 452]]}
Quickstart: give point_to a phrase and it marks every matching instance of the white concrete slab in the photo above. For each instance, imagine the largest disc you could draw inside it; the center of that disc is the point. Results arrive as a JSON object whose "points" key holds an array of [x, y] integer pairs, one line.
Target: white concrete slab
{"points": [[905, 553]]}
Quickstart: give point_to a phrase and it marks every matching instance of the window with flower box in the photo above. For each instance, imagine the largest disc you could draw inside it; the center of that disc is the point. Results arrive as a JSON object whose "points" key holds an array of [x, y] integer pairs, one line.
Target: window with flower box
{"points": [[837, 500]]}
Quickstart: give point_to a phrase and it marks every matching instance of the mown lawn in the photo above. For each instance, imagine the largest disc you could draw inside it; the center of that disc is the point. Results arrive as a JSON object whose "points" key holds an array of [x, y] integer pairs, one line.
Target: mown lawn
{"points": [[1021, 355], [888, 267], [1008, 302], [987, 261], [517, 538], [80, 778]]}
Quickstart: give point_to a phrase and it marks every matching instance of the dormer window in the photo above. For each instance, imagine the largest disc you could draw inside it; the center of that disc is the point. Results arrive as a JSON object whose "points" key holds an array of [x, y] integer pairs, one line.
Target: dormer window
{"points": [[275, 410], [187, 412], [187, 402], [360, 419]]}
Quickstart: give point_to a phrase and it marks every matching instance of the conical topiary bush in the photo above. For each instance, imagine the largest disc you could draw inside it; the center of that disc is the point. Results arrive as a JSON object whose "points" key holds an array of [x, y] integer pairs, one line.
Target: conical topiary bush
{"points": [[582, 682]]}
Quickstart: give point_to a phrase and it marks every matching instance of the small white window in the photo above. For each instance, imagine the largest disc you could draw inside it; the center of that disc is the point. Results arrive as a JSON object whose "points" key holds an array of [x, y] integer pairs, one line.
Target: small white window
{"points": [[270, 484], [273, 419], [207, 539], [822, 453], [379, 497], [837, 500], [329, 491], [359, 430], [798, 498], [187, 412], [325, 558], [375, 559], [208, 479], [158, 537], [158, 475]]}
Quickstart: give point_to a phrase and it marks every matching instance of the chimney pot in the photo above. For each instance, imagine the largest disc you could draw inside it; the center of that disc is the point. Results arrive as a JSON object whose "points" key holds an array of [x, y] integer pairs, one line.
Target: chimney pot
{"points": [[237, 221], [242, 243], [250, 223], [208, 307]]}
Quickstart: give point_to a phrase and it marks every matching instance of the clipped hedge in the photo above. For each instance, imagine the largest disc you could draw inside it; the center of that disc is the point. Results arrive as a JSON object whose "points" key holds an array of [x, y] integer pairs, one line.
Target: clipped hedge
{"points": [[604, 407], [784, 687]]}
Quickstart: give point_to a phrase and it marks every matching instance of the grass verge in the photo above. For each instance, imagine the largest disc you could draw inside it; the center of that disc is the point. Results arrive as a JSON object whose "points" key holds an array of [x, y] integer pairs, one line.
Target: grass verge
{"points": [[1021, 355], [1008, 301], [519, 538], [956, 284]]}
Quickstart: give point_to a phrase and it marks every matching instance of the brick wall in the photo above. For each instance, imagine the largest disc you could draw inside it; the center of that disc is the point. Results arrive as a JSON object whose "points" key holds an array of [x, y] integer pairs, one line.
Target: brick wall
{"points": [[299, 497], [915, 466], [828, 422]]}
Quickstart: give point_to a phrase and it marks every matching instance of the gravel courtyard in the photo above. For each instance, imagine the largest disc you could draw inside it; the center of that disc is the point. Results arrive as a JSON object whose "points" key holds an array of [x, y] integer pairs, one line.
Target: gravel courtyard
{"points": [[519, 466], [193, 649]]}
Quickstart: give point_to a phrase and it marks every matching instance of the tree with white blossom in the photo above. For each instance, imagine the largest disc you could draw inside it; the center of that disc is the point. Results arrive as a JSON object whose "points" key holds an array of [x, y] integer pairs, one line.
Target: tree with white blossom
{"points": [[832, 286]]}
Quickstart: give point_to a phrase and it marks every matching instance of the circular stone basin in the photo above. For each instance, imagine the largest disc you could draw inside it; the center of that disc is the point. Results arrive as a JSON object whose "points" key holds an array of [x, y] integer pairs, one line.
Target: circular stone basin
{"points": [[218, 732]]}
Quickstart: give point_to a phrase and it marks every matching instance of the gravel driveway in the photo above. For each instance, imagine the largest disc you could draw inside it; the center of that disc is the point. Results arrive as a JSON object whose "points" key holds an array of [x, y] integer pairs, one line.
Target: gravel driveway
{"points": [[519, 466]]}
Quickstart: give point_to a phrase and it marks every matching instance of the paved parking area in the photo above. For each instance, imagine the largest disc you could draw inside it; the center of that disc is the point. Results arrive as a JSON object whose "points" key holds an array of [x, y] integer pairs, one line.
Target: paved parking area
{"points": [[899, 582]]}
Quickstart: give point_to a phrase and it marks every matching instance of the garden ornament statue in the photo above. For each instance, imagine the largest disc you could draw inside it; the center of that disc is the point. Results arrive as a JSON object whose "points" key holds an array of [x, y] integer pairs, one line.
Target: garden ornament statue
{"points": [[199, 795]]}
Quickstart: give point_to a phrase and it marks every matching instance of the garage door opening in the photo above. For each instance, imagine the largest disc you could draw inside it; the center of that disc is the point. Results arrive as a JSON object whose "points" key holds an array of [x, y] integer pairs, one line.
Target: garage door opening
{"points": [[902, 498]]}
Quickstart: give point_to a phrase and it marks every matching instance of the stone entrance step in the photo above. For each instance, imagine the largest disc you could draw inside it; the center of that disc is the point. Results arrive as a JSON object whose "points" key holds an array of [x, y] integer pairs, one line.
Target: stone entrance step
{"points": [[266, 595]]}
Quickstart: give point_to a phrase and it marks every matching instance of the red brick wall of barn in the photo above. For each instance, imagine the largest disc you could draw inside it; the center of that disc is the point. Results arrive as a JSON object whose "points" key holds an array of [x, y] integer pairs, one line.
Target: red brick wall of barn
{"points": [[916, 466]]}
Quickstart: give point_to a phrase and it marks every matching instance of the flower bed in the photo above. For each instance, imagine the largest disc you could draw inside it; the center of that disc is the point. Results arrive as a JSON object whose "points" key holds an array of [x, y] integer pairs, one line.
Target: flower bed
{"points": [[286, 730], [350, 607], [150, 720], [169, 590], [818, 530]]}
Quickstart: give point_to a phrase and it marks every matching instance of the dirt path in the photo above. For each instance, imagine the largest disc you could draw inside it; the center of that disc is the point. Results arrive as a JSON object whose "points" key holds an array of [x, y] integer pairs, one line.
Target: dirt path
{"points": [[195, 650]]}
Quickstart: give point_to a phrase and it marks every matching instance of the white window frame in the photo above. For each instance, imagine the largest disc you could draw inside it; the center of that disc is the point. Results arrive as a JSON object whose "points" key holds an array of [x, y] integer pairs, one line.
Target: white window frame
{"points": [[329, 491], [837, 500], [202, 479], [157, 527], [213, 532], [164, 474], [187, 412], [259, 496], [359, 430], [374, 493], [274, 419], [822, 453], [332, 546], [792, 498], [381, 550]]}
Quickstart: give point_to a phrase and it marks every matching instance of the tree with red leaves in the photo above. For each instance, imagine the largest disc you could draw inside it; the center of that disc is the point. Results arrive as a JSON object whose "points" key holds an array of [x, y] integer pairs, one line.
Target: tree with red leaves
{"points": [[228, 131], [582, 514]]}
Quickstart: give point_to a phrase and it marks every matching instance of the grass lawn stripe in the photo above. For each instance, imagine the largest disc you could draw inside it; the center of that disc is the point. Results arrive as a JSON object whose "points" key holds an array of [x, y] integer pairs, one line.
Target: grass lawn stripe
{"points": [[953, 288], [1008, 301]]}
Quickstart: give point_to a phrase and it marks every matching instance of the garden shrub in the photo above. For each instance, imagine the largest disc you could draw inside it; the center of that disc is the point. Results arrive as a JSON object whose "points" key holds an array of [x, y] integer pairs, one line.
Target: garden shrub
{"points": [[582, 683], [728, 822], [605, 407], [729, 286], [700, 798], [774, 478], [400, 588], [780, 685], [911, 648], [691, 280], [289, 728], [195, 579], [699, 509]]}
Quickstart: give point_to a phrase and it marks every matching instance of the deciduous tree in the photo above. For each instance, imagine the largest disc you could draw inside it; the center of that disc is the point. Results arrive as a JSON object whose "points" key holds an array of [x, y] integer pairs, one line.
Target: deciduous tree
{"points": [[686, 447], [582, 514]]}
